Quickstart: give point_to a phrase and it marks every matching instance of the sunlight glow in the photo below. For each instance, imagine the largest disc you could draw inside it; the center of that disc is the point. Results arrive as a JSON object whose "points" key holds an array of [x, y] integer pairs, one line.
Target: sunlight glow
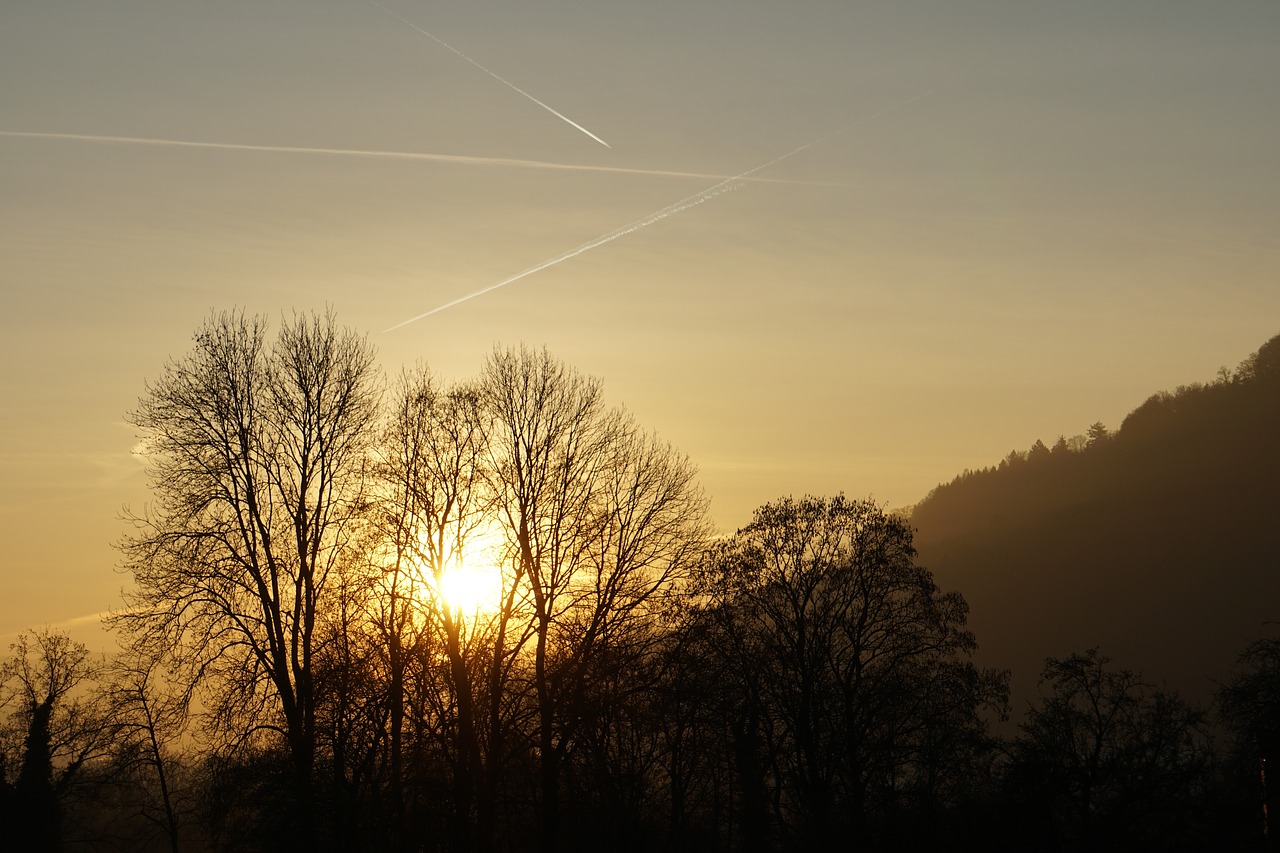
{"points": [[471, 590], [472, 582]]}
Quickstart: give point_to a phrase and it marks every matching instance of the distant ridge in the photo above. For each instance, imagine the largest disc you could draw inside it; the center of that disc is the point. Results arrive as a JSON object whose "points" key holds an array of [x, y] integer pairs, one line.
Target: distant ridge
{"points": [[1159, 542]]}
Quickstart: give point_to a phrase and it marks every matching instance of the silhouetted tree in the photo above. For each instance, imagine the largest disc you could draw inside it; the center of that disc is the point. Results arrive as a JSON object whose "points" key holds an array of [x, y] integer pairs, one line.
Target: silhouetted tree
{"points": [[856, 702], [1107, 761], [1250, 705], [436, 504], [1097, 433], [1262, 365], [604, 521], [257, 458], [55, 724], [149, 718]]}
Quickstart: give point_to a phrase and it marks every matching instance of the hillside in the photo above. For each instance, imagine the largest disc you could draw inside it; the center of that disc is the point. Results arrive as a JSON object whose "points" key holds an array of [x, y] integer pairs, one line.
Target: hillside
{"points": [[1159, 542]]}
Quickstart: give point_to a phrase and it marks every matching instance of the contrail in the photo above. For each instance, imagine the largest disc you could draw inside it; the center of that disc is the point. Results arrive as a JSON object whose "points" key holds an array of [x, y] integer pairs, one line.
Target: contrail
{"points": [[500, 79], [726, 185], [460, 159], [669, 210]]}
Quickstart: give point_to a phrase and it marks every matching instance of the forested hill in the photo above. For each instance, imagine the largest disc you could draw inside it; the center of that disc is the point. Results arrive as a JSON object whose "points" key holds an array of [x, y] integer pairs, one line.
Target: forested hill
{"points": [[1159, 542]]}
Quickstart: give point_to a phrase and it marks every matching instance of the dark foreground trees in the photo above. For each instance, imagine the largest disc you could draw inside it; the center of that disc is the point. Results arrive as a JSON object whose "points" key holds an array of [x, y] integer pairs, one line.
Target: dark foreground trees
{"points": [[489, 616]]}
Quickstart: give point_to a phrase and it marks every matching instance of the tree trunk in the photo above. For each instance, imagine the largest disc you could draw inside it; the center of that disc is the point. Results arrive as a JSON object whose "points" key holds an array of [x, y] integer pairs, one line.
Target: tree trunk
{"points": [[549, 770]]}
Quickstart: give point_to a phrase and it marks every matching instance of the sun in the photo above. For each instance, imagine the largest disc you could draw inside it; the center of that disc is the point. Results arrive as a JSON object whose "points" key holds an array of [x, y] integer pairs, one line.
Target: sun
{"points": [[471, 589], [473, 583]]}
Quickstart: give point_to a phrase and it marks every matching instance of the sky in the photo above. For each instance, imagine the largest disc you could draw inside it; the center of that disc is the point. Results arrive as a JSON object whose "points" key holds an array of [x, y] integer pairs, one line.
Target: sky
{"points": [[997, 221]]}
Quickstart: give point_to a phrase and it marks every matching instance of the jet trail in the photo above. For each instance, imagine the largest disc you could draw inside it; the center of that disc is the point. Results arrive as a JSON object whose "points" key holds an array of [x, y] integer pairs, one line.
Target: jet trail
{"points": [[726, 185], [459, 159], [495, 76], [669, 210]]}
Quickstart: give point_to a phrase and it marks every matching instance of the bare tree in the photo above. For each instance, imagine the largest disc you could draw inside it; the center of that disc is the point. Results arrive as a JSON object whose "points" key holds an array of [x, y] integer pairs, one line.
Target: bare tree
{"points": [[605, 520], [149, 716], [435, 505], [257, 455]]}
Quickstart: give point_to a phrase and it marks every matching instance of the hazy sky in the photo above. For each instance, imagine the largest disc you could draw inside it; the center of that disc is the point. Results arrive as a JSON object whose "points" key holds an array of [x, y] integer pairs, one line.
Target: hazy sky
{"points": [[1082, 209]]}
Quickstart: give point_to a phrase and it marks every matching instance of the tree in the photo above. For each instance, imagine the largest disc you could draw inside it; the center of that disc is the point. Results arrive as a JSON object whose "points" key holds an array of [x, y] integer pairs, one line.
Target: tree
{"points": [[1014, 459], [55, 725], [149, 718], [435, 506], [1250, 705], [1263, 365], [604, 520], [257, 459], [1110, 761], [850, 668], [1097, 433]]}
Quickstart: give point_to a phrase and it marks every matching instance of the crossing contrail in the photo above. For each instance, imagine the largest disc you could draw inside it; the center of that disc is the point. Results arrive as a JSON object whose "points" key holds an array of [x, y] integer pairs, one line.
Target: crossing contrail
{"points": [[726, 185], [492, 74], [669, 210], [459, 159]]}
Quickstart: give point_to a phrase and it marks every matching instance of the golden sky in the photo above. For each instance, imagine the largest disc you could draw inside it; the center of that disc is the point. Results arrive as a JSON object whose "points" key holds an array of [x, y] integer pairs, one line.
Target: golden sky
{"points": [[1013, 219]]}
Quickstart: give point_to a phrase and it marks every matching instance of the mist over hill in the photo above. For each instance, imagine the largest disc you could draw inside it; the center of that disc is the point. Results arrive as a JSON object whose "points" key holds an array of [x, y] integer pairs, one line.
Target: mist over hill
{"points": [[1159, 542]]}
